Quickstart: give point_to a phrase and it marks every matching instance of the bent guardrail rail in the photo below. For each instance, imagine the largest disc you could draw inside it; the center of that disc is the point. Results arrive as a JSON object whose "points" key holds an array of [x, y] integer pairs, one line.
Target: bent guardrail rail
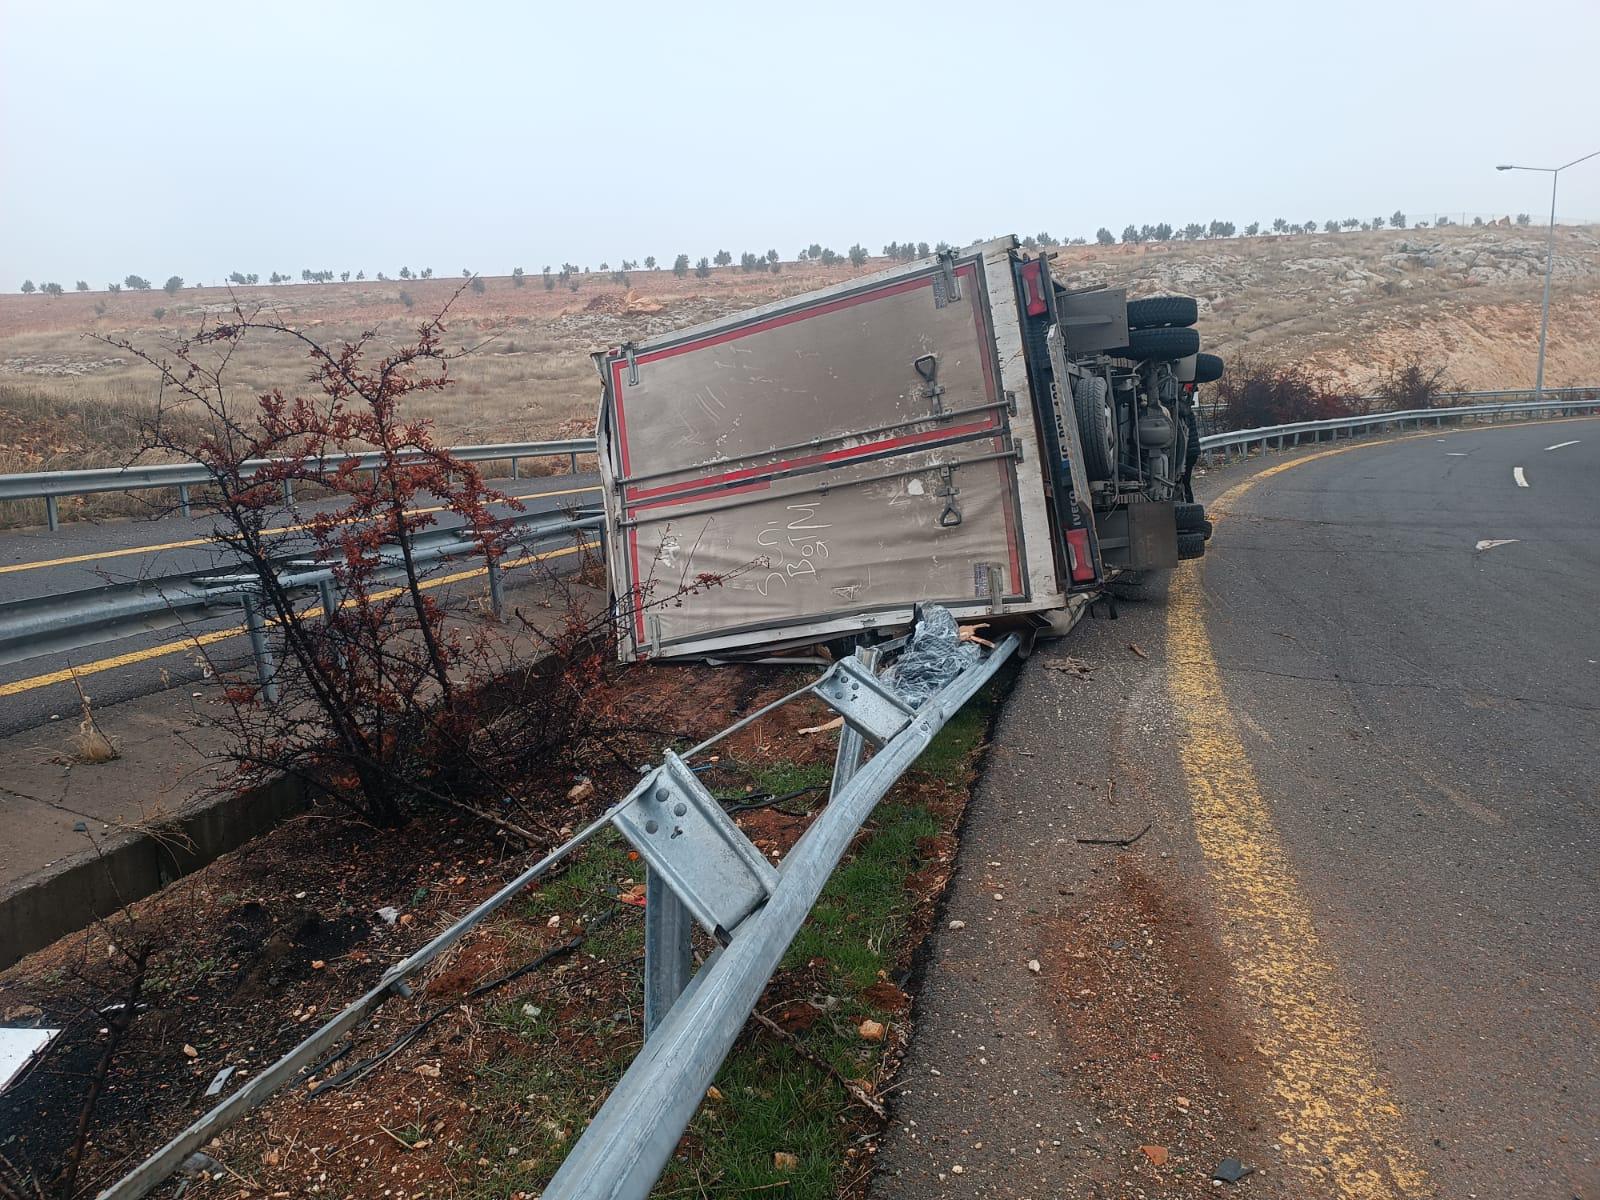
{"points": [[1568, 400], [55, 624], [50, 486], [700, 868]]}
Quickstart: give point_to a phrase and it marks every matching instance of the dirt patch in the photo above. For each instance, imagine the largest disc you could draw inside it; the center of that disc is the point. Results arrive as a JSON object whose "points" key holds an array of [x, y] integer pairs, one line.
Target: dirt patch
{"points": [[1143, 1012]]}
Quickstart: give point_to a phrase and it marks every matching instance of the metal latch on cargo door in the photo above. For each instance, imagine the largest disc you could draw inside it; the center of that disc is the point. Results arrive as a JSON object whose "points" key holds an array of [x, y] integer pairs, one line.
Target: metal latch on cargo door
{"points": [[946, 286], [948, 491], [928, 367], [633, 364]]}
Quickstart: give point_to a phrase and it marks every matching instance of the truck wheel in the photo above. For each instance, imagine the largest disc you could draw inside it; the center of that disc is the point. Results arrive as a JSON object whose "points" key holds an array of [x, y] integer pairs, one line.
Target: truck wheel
{"points": [[1164, 344], [1207, 368], [1191, 545], [1156, 311], [1095, 429], [1191, 518]]}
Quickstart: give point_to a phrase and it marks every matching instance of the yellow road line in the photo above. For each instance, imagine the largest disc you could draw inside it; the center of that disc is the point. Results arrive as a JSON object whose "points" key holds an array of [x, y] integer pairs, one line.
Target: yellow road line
{"points": [[1338, 1123], [199, 641], [188, 543]]}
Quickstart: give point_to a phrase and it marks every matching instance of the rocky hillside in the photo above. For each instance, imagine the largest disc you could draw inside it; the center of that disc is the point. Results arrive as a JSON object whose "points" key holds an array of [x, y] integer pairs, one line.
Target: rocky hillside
{"points": [[1354, 303]]}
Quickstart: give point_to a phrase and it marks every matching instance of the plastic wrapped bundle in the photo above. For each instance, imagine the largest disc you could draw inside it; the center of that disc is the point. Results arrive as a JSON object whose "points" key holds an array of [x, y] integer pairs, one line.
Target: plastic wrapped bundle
{"points": [[935, 656]]}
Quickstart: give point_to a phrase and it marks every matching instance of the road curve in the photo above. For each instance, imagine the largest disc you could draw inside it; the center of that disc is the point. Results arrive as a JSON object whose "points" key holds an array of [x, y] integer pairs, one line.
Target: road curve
{"points": [[1357, 946], [1423, 719]]}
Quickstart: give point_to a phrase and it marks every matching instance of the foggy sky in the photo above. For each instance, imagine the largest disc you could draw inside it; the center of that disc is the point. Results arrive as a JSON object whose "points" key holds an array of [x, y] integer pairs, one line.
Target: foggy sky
{"points": [[164, 138]]}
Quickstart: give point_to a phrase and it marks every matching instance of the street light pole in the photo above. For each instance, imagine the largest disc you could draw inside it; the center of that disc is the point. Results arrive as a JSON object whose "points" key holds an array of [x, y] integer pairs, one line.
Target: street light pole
{"points": [[1549, 258]]}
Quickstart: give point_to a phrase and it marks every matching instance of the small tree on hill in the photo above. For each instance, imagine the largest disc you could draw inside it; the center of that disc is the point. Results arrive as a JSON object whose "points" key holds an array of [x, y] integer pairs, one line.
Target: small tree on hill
{"points": [[1377, 222], [702, 268], [51, 289], [113, 287], [478, 286], [82, 285], [173, 284], [1412, 384], [1193, 231], [28, 288], [1252, 229], [360, 275], [858, 254], [1524, 219], [1397, 220], [1131, 236], [723, 258], [814, 251], [1279, 225], [549, 280], [680, 265], [516, 278], [1104, 236], [649, 262], [137, 283], [405, 272]]}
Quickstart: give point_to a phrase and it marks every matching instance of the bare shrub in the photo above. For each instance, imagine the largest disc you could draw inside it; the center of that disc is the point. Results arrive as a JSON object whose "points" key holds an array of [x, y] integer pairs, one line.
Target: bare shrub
{"points": [[387, 701], [1413, 384], [1254, 393]]}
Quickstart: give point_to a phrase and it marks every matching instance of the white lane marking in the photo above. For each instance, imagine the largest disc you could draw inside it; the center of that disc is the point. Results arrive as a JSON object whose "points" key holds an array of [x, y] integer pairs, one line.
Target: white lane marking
{"points": [[1516, 473], [1491, 543], [1558, 445], [1455, 453]]}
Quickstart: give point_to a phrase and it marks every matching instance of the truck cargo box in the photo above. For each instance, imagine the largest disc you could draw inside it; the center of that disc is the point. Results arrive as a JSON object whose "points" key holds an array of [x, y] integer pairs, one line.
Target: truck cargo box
{"points": [[828, 462]]}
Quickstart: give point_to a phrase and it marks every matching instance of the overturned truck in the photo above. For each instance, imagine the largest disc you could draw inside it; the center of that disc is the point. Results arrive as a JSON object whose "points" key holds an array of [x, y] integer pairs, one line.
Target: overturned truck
{"points": [[963, 430]]}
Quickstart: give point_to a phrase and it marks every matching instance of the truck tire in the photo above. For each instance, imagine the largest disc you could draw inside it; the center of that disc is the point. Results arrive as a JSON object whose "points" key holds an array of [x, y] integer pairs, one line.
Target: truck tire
{"points": [[1164, 344], [1157, 311], [1095, 428], [1191, 518], [1191, 545], [1207, 368]]}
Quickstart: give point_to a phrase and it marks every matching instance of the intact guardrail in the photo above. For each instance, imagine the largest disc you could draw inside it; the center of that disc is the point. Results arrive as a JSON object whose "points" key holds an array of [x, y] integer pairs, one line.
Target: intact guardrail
{"points": [[50, 486], [1565, 402], [54, 624], [700, 868]]}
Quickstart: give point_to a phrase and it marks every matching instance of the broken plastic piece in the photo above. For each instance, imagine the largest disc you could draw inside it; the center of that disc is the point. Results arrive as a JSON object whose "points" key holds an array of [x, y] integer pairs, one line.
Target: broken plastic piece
{"points": [[1231, 1170]]}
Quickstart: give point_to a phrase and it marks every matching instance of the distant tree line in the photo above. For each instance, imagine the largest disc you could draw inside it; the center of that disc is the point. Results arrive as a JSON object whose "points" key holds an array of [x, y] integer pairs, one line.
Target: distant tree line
{"points": [[752, 262]]}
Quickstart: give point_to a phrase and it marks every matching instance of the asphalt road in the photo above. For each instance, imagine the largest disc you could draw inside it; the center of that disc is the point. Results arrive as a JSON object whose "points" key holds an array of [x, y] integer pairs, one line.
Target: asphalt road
{"points": [[37, 562], [1360, 947]]}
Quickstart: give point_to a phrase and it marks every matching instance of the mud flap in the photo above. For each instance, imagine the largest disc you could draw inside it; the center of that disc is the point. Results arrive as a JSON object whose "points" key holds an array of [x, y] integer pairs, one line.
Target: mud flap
{"points": [[1140, 536]]}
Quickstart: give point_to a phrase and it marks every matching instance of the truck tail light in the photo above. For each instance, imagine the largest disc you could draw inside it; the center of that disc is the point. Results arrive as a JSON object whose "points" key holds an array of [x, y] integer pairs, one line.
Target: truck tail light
{"points": [[1033, 287], [1079, 561]]}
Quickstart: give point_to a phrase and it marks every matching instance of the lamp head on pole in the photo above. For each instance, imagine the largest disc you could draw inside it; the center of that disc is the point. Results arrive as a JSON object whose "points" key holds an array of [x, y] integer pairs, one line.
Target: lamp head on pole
{"points": [[1505, 167]]}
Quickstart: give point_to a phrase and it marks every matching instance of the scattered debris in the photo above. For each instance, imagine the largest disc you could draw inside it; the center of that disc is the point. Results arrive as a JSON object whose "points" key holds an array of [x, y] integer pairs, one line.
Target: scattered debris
{"points": [[581, 791], [18, 1046], [1074, 666], [219, 1081], [783, 1161], [1491, 543], [836, 723], [870, 1030], [1033, 965], [957, 925], [1113, 841], [1134, 646], [1156, 1154], [1231, 1170], [189, 1051], [388, 914]]}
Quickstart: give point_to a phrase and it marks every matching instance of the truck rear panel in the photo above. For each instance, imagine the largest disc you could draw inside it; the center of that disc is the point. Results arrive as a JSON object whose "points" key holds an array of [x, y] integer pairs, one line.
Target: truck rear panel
{"points": [[832, 460]]}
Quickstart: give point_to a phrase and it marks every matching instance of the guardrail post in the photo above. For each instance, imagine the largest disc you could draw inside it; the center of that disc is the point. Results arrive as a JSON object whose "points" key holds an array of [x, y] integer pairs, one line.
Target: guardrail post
{"points": [[330, 601], [288, 492], [668, 954], [51, 517], [183, 499], [516, 468], [497, 596], [572, 461], [265, 672]]}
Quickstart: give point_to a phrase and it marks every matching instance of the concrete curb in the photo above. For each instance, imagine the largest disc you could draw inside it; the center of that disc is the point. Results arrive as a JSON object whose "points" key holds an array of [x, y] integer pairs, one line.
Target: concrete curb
{"points": [[135, 864]]}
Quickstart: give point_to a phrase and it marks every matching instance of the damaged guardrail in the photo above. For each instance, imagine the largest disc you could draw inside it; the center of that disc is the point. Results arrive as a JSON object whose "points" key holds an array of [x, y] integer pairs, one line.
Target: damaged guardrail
{"points": [[58, 623], [1566, 402], [50, 486], [701, 868]]}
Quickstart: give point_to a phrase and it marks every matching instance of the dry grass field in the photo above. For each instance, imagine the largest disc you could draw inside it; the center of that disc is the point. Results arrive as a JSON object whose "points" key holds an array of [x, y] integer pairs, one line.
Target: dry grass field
{"points": [[1352, 303]]}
